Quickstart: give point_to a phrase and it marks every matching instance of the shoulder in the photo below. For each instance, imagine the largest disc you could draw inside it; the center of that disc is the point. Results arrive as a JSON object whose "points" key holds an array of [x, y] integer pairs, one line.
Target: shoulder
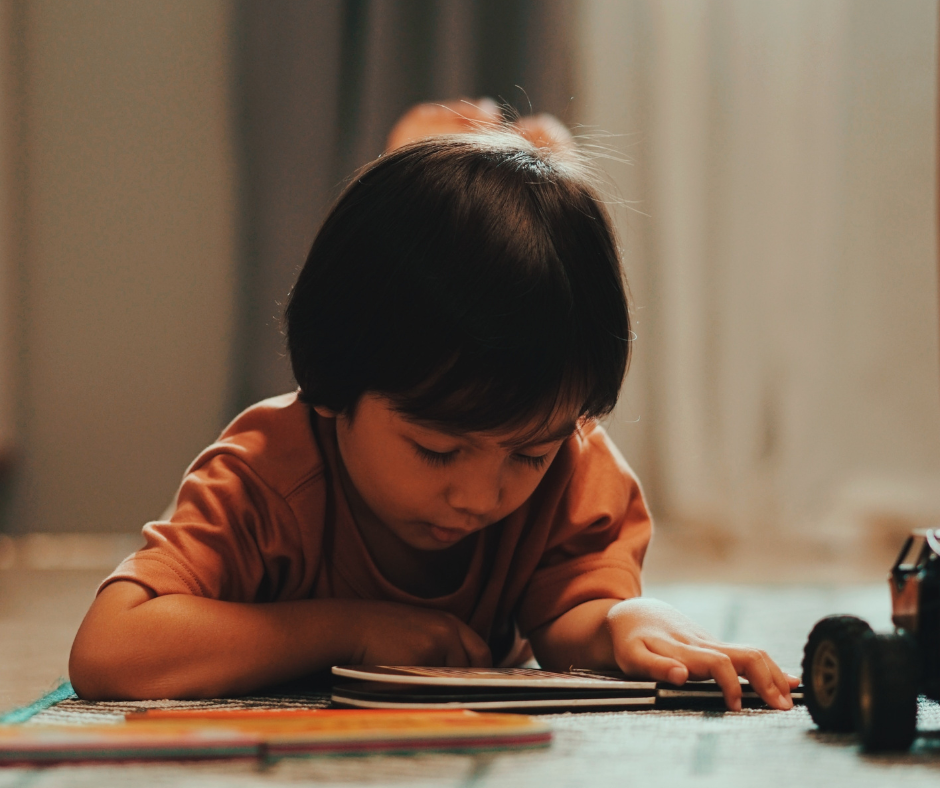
{"points": [[594, 454], [274, 441], [592, 441], [598, 481]]}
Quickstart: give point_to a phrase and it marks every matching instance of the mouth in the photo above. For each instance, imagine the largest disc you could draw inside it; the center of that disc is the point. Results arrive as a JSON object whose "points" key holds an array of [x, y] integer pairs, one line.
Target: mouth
{"points": [[445, 535]]}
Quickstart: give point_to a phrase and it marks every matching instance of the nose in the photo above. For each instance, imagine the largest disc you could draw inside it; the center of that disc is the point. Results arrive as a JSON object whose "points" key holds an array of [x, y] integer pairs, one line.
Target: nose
{"points": [[477, 492]]}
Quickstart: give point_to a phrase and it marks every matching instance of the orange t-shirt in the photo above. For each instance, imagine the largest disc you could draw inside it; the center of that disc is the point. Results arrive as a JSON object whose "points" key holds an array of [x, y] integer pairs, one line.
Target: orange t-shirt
{"points": [[261, 517]]}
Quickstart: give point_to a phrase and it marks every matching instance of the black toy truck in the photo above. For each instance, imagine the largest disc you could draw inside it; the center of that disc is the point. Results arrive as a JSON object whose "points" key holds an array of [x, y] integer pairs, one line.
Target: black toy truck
{"points": [[856, 680]]}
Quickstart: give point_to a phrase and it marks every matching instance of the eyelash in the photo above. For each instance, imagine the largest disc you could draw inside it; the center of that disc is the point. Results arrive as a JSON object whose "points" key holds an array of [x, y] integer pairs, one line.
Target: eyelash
{"points": [[439, 458], [435, 457], [532, 462]]}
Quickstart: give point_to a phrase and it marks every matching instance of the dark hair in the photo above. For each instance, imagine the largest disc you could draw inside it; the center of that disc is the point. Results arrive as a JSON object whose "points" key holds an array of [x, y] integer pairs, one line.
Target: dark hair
{"points": [[474, 280]]}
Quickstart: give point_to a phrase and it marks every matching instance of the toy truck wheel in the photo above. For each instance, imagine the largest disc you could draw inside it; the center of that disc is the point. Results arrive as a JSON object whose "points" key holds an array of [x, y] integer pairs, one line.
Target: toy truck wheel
{"points": [[887, 692], [830, 661]]}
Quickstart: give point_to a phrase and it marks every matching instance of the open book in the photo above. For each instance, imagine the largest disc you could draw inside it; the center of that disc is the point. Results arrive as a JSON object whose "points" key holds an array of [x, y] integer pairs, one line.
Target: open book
{"points": [[518, 689]]}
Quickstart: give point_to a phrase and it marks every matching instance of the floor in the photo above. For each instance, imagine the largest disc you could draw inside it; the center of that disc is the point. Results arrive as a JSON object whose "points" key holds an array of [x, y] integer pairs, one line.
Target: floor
{"points": [[40, 609]]}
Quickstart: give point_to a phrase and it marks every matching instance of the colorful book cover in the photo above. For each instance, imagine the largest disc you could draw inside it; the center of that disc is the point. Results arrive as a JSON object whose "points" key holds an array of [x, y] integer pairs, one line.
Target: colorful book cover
{"points": [[258, 733]]}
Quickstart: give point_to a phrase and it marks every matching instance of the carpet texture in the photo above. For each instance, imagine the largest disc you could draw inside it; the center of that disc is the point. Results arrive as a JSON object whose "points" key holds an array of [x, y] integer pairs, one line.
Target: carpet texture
{"points": [[648, 748], [67, 709]]}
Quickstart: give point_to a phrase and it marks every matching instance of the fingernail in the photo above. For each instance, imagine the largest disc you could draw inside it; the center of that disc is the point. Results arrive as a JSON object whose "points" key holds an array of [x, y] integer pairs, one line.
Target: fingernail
{"points": [[736, 705], [786, 702]]}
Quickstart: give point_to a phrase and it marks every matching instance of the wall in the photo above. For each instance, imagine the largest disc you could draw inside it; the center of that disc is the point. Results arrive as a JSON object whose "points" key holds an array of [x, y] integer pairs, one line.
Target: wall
{"points": [[126, 275]]}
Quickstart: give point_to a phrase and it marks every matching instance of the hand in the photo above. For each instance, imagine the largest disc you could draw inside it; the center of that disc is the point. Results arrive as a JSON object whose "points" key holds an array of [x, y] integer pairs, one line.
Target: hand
{"points": [[394, 634], [651, 638]]}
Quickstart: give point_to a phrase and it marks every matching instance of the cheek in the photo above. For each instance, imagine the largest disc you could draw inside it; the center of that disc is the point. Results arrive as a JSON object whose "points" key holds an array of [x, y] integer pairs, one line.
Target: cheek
{"points": [[389, 476], [519, 482], [527, 479], [520, 488], [408, 482]]}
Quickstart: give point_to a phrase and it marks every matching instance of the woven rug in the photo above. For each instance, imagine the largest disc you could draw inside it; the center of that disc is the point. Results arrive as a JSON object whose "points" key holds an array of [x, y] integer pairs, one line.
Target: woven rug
{"points": [[63, 707]]}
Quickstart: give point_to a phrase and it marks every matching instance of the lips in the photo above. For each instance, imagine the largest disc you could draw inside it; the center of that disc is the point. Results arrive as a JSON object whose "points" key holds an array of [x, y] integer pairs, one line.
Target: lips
{"points": [[446, 535]]}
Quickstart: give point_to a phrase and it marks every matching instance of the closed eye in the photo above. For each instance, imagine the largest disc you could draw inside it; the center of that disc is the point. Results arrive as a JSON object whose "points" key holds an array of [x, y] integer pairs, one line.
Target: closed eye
{"points": [[435, 457], [532, 462]]}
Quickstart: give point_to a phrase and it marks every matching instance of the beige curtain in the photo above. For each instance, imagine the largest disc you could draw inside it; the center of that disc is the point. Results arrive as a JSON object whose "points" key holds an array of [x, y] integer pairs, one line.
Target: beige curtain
{"points": [[783, 257], [8, 241]]}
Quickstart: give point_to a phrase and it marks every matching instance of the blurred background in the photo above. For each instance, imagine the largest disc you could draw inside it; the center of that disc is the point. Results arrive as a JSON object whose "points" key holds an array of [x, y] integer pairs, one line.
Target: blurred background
{"points": [[164, 166]]}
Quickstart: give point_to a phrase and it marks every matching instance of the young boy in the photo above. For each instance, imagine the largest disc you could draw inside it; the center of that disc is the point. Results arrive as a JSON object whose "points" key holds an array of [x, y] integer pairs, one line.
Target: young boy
{"points": [[438, 486]]}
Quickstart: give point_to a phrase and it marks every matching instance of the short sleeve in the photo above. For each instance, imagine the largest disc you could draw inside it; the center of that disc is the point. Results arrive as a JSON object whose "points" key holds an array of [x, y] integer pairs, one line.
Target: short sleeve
{"points": [[230, 537], [597, 540]]}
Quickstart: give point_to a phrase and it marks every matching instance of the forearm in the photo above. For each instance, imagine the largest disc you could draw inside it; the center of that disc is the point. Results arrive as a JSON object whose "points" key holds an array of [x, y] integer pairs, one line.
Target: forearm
{"points": [[181, 646], [580, 638]]}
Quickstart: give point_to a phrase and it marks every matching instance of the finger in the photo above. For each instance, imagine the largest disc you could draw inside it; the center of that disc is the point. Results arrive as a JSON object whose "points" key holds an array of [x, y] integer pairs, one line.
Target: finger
{"points": [[704, 663], [763, 674], [477, 651], [781, 679], [639, 661], [456, 655]]}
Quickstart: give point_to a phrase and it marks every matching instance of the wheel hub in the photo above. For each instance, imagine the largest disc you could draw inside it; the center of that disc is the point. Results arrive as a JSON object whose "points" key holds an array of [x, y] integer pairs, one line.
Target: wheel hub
{"points": [[865, 699], [826, 673]]}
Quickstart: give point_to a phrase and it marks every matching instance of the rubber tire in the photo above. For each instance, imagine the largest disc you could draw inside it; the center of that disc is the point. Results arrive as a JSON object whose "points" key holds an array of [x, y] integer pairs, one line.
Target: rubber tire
{"points": [[830, 661], [888, 673]]}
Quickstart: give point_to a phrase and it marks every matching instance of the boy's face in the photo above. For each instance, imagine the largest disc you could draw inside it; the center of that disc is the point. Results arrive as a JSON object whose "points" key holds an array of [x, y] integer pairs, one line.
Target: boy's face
{"points": [[432, 488]]}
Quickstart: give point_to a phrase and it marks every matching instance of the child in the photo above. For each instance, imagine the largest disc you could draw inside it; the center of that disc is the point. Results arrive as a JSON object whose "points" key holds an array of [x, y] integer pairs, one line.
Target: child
{"points": [[438, 486]]}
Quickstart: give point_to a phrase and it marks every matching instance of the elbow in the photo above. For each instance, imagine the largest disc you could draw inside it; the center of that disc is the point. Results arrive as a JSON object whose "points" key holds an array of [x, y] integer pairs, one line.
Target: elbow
{"points": [[87, 675], [102, 667], [113, 669], [112, 654], [99, 674], [94, 672]]}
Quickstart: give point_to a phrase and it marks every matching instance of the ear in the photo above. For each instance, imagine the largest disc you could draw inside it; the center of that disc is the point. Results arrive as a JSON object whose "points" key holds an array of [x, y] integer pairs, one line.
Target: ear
{"points": [[325, 412]]}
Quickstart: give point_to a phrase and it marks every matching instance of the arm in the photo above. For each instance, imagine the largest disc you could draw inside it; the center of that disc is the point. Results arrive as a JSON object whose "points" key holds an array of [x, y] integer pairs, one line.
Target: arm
{"points": [[645, 637], [134, 645]]}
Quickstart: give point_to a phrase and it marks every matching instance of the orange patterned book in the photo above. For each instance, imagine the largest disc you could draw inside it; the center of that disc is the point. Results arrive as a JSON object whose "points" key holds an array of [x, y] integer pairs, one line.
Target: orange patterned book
{"points": [[252, 733]]}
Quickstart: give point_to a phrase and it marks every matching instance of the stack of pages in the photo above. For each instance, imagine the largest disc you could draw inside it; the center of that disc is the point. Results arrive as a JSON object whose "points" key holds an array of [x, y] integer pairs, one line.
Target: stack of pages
{"points": [[518, 689]]}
